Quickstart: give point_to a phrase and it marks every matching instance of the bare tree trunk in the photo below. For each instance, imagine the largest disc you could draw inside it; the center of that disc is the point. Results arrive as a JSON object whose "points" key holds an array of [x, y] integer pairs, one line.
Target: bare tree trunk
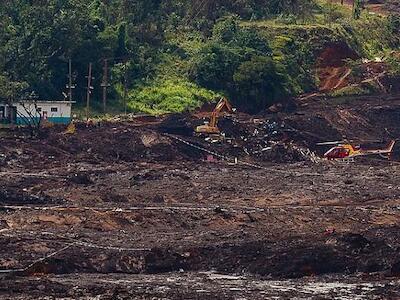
{"points": [[31, 120]]}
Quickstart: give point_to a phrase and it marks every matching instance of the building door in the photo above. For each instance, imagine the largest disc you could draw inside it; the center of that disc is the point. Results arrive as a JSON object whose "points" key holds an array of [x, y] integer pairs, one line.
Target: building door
{"points": [[2, 114], [12, 114]]}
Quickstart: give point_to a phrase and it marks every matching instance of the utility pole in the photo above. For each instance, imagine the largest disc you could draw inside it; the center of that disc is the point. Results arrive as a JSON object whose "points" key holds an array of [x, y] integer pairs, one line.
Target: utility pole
{"points": [[105, 84], [89, 91], [70, 85], [125, 87]]}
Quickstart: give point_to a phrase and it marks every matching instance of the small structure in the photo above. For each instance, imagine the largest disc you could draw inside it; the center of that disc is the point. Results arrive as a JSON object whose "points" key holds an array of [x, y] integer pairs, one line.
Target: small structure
{"points": [[28, 111]]}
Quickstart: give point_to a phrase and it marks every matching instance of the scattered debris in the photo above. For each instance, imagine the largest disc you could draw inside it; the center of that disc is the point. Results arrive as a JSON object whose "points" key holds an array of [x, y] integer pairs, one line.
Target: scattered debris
{"points": [[139, 201]]}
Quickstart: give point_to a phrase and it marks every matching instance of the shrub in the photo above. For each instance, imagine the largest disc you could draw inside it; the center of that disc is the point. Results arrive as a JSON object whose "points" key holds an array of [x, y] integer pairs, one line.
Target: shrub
{"points": [[258, 83]]}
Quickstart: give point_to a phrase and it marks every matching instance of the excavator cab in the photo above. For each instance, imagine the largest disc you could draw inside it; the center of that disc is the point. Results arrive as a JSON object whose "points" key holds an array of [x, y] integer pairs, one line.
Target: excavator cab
{"points": [[211, 127]]}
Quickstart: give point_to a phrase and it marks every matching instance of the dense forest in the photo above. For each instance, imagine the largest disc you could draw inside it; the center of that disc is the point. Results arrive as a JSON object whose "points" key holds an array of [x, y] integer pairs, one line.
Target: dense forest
{"points": [[170, 55]]}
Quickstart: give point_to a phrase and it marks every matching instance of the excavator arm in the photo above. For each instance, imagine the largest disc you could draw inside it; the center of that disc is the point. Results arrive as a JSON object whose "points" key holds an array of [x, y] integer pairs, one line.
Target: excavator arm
{"points": [[212, 125], [391, 145], [218, 108]]}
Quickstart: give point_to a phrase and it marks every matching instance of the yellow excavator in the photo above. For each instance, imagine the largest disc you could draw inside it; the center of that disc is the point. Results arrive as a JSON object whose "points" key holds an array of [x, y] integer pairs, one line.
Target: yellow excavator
{"points": [[211, 127], [71, 129]]}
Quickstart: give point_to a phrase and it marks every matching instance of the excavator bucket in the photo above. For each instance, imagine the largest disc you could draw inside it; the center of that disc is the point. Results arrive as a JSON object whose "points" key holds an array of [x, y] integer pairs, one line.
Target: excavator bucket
{"points": [[207, 129], [71, 129]]}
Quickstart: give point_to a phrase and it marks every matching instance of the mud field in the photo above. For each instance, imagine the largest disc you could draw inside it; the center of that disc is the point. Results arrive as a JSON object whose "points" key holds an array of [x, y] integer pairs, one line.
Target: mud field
{"points": [[143, 209]]}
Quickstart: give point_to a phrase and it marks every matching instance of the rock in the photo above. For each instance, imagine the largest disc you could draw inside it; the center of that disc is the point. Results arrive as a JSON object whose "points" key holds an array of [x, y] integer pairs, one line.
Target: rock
{"points": [[355, 241], [112, 196], [81, 178], [158, 199], [146, 175], [223, 212]]}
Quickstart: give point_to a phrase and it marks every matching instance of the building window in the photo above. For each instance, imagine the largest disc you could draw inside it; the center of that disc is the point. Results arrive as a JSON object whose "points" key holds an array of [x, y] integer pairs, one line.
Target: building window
{"points": [[54, 109], [2, 112], [39, 109]]}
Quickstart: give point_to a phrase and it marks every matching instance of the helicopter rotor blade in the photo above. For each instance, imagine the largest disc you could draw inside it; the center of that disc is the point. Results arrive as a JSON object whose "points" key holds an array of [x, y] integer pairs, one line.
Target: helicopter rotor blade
{"points": [[331, 143], [351, 141]]}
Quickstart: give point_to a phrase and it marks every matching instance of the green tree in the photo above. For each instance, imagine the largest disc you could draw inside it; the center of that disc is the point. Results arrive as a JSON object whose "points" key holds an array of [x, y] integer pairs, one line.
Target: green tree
{"points": [[258, 83], [238, 62], [10, 90], [214, 66]]}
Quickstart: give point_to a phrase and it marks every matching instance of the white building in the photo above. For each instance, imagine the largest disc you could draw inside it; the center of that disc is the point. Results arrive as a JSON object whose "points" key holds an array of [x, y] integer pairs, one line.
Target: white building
{"points": [[23, 112]]}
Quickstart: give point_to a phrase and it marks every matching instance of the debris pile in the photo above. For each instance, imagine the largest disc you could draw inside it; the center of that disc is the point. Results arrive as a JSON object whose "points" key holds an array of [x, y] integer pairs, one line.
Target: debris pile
{"points": [[181, 124], [12, 196], [267, 139]]}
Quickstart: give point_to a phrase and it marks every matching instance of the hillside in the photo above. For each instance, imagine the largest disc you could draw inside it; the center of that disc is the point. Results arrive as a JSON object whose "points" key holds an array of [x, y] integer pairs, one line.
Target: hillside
{"points": [[165, 56]]}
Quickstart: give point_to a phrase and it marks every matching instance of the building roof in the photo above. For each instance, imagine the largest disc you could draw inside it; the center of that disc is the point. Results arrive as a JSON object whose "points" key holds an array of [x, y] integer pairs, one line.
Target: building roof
{"points": [[49, 101], [38, 102]]}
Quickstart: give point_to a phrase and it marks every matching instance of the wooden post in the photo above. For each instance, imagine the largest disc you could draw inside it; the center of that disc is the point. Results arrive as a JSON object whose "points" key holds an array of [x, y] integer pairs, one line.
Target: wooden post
{"points": [[70, 85], [89, 91], [105, 84], [125, 88], [70, 80]]}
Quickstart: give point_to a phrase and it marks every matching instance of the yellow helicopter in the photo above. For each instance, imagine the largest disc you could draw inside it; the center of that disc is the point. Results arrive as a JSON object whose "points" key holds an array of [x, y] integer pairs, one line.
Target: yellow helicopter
{"points": [[348, 150]]}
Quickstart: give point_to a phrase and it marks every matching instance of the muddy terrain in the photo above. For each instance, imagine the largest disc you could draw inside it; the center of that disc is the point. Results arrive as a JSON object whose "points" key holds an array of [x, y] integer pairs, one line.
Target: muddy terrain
{"points": [[143, 209]]}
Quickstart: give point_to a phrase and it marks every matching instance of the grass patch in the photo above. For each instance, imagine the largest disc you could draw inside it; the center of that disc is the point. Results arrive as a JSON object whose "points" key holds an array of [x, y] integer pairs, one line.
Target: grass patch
{"points": [[367, 88], [114, 108], [166, 96]]}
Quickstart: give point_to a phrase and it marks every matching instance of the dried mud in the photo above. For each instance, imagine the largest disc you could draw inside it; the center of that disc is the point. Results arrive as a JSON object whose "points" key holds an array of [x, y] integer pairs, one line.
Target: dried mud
{"points": [[127, 211]]}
